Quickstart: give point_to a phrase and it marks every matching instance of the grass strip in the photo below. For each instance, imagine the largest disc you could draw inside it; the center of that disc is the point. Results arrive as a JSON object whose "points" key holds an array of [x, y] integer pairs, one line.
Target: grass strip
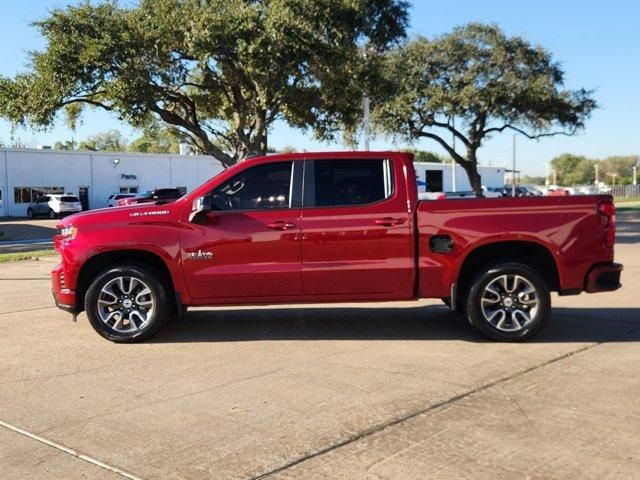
{"points": [[18, 256]]}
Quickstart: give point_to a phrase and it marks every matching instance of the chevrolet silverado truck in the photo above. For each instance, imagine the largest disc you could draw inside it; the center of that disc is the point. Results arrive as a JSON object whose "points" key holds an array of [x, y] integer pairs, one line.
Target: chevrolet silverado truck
{"points": [[332, 227]]}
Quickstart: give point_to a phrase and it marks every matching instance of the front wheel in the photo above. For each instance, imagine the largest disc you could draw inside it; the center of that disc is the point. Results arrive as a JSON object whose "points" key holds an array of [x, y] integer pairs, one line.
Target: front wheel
{"points": [[52, 214], [30, 213], [509, 302], [127, 303]]}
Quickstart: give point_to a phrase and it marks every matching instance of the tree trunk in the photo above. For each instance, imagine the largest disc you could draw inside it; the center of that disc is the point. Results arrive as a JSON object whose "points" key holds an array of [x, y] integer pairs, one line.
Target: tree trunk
{"points": [[471, 167]]}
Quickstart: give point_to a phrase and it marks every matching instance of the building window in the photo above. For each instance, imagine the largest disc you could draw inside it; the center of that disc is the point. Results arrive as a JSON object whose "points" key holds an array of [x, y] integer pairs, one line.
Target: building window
{"points": [[129, 190], [31, 194]]}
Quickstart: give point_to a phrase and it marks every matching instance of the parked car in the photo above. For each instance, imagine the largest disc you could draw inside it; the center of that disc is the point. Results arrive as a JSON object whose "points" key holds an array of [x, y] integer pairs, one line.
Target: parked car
{"points": [[520, 192], [164, 195], [492, 192], [588, 190], [114, 197], [54, 205], [488, 192], [332, 227], [559, 192]]}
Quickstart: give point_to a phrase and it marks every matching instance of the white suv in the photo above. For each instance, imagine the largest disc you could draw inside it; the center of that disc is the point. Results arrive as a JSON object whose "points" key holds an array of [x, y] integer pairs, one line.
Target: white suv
{"points": [[112, 201], [54, 205]]}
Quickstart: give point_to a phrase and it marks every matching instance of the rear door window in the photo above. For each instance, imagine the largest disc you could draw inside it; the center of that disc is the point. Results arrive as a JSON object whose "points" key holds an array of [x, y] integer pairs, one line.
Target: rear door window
{"points": [[348, 182]]}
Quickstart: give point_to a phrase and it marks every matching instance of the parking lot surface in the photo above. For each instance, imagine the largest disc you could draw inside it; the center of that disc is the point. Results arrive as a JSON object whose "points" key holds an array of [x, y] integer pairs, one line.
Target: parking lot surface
{"points": [[381, 391]]}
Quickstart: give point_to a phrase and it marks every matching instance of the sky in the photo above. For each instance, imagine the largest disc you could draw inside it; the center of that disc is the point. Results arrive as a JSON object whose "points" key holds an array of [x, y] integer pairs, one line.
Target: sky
{"points": [[596, 42]]}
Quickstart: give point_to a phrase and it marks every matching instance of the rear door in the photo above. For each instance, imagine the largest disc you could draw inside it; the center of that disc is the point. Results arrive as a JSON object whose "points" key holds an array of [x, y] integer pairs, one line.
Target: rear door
{"points": [[249, 246], [356, 229]]}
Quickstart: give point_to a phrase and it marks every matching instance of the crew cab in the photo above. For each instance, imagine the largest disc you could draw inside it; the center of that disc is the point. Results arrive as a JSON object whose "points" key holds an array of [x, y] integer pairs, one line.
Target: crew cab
{"points": [[332, 227]]}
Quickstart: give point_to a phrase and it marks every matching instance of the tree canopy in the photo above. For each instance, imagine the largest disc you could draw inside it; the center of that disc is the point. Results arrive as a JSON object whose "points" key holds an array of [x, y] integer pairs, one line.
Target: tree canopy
{"points": [[579, 170], [473, 83], [109, 141], [219, 71]]}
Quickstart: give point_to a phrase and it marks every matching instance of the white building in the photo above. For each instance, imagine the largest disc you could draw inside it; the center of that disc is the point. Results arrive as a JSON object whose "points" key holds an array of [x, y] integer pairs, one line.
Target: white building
{"points": [[438, 177], [93, 176]]}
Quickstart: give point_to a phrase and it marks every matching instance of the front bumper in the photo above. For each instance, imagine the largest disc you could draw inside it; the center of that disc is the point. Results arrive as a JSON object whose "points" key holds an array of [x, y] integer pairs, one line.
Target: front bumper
{"points": [[65, 298], [603, 278]]}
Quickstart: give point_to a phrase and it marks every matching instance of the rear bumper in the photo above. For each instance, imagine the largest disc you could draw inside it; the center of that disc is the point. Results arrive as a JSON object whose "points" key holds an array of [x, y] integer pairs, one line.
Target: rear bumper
{"points": [[603, 278], [65, 298]]}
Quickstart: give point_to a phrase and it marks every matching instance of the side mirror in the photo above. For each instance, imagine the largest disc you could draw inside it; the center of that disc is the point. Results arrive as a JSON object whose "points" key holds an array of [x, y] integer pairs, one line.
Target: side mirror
{"points": [[201, 206]]}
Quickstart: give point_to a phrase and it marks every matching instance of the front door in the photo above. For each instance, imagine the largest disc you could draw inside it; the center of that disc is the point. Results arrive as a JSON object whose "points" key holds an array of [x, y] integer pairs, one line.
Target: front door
{"points": [[249, 245], [83, 196], [356, 230]]}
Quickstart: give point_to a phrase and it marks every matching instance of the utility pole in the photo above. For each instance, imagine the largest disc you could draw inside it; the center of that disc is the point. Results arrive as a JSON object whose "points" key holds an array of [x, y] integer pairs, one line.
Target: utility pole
{"points": [[453, 160], [597, 177], [546, 177], [635, 179], [513, 168], [366, 120]]}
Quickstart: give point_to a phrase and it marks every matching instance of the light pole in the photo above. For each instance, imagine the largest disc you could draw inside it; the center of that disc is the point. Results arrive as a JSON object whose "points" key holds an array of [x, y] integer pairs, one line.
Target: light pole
{"points": [[366, 120], [513, 168], [635, 179], [453, 160]]}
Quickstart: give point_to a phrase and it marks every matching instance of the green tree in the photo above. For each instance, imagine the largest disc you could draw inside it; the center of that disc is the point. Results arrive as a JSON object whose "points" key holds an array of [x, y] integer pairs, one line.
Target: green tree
{"points": [[110, 141], [156, 139], [475, 82], [571, 169], [65, 145], [220, 71], [425, 156], [533, 180], [618, 169]]}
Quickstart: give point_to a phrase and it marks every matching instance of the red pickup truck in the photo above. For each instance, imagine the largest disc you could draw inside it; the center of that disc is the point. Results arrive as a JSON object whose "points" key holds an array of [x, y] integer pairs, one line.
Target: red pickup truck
{"points": [[332, 227]]}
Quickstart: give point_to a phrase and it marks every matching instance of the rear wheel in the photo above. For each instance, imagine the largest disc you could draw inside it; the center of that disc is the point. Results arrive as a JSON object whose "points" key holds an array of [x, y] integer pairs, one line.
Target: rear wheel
{"points": [[52, 214], [30, 213], [128, 303], [509, 302]]}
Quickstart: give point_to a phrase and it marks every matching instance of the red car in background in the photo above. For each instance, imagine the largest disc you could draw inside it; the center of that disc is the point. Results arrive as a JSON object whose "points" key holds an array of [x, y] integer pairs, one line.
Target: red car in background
{"points": [[155, 195], [559, 192]]}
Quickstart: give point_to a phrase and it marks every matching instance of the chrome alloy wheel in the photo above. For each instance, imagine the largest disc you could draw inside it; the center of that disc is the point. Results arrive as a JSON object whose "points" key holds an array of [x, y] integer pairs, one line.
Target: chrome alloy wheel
{"points": [[509, 302], [126, 304]]}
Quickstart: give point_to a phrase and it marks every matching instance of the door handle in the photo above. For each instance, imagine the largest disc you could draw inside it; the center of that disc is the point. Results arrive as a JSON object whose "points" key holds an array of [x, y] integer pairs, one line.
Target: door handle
{"points": [[280, 225], [389, 221]]}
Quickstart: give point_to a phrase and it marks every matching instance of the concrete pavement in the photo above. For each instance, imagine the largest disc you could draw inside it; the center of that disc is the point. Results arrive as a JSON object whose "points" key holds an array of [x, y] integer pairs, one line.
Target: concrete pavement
{"points": [[339, 391]]}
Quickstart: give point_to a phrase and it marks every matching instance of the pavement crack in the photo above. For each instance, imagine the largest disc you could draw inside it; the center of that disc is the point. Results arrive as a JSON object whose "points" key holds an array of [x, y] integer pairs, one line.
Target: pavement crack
{"points": [[445, 403], [27, 310]]}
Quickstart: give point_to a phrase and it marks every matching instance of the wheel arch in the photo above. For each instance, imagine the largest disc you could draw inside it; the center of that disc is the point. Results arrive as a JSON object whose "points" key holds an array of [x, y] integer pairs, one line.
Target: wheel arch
{"points": [[103, 260], [533, 254]]}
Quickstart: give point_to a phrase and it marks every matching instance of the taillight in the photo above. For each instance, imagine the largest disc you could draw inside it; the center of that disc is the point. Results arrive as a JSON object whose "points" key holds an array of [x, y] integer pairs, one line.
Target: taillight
{"points": [[607, 212]]}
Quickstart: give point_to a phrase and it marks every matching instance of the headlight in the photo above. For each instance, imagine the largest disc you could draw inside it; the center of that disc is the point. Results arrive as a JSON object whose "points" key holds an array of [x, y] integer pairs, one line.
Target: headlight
{"points": [[67, 232]]}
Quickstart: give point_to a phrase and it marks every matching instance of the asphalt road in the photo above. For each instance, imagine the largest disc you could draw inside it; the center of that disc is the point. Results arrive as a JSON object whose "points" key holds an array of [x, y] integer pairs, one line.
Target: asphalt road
{"points": [[389, 391]]}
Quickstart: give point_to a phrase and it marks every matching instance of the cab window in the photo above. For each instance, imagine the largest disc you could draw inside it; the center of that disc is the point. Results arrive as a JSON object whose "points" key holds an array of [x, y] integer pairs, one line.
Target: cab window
{"points": [[261, 187], [349, 182]]}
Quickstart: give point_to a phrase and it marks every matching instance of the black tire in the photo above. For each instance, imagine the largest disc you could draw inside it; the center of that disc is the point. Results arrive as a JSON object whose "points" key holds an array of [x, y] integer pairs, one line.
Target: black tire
{"points": [[160, 295], [521, 330], [30, 213], [52, 214]]}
